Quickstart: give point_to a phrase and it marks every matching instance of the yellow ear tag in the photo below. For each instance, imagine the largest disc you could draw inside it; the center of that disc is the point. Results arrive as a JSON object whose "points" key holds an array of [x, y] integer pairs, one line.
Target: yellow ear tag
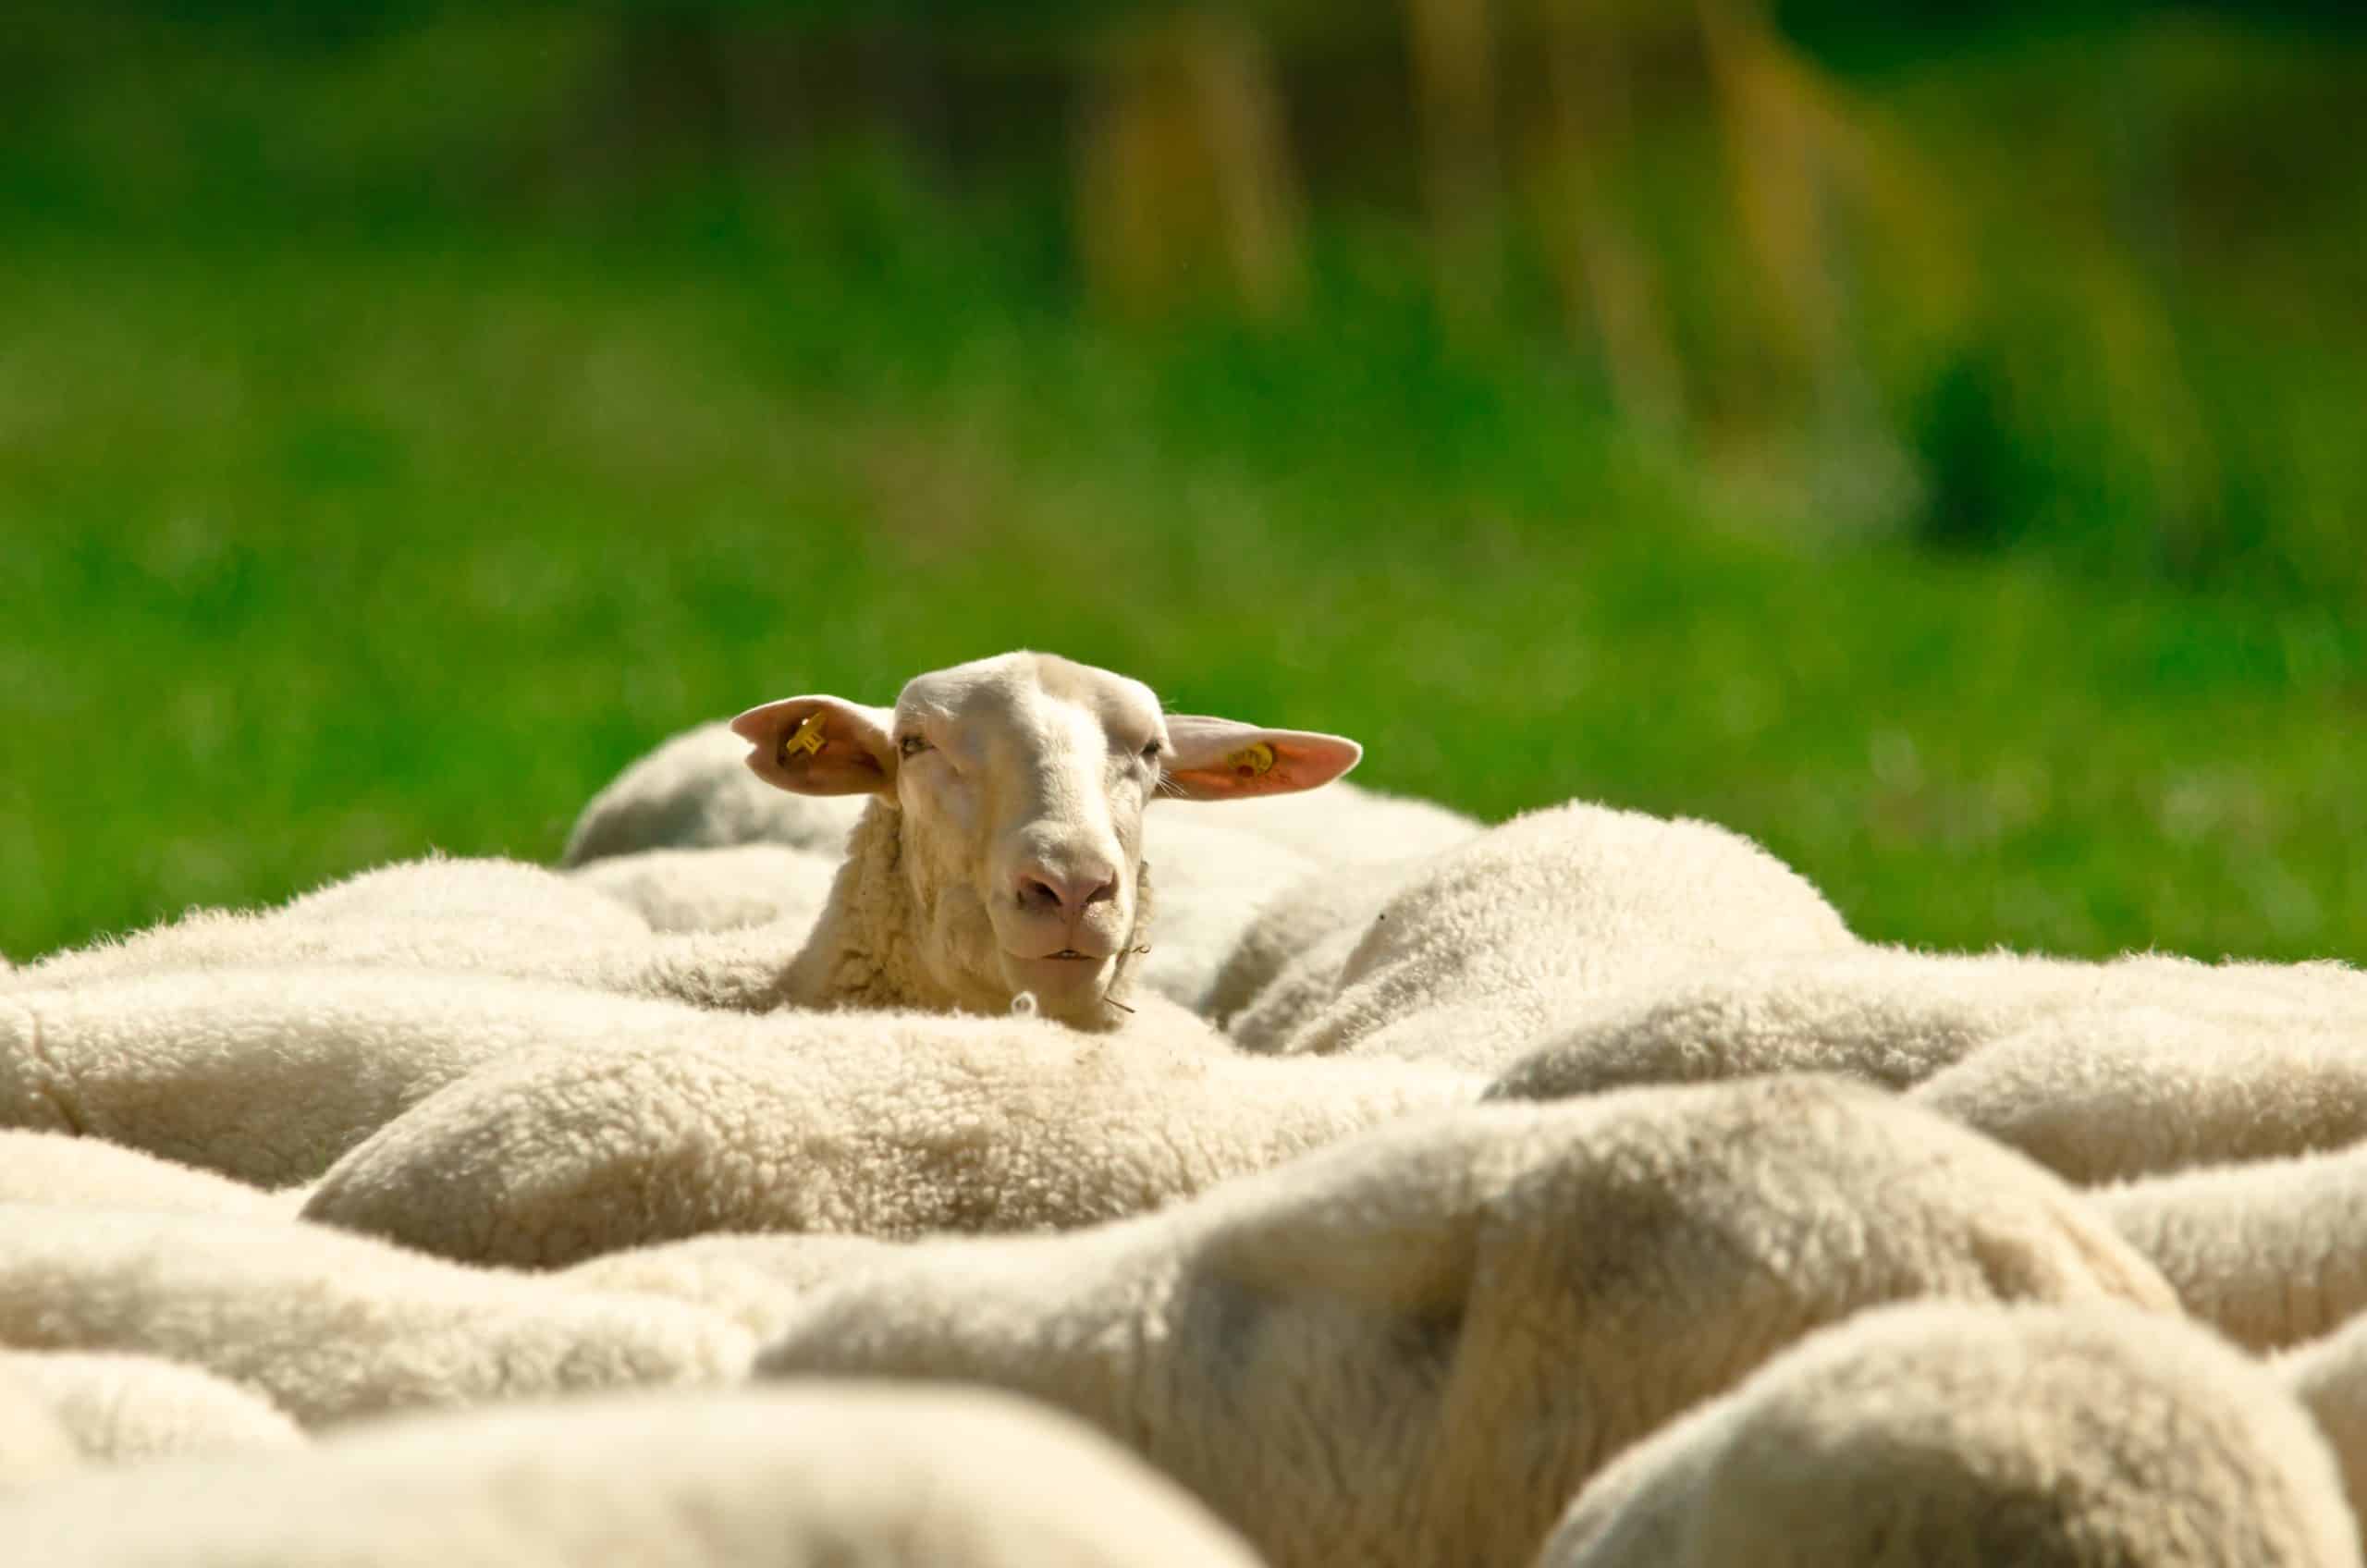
{"points": [[807, 737], [1253, 759]]}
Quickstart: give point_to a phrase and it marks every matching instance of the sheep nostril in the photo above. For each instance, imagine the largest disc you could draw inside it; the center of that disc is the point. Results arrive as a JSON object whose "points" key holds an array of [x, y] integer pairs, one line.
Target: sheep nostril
{"points": [[1037, 896], [1103, 893]]}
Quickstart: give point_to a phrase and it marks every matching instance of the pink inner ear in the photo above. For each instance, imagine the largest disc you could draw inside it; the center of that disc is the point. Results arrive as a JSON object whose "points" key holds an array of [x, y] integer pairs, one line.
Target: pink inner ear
{"points": [[847, 761], [1238, 762]]}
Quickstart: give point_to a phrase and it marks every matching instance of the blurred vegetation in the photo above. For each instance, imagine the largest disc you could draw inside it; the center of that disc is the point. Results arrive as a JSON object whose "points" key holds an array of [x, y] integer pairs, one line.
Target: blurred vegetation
{"points": [[1926, 439]]}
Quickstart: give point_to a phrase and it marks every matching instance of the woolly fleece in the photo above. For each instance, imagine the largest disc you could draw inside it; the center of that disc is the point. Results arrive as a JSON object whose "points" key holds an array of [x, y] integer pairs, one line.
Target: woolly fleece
{"points": [[823, 1476], [71, 1172], [1533, 923], [2329, 1376], [332, 1327], [1894, 1016], [717, 890], [879, 1125], [755, 1280], [480, 916], [1950, 1436], [2115, 1093], [2270, 1253], [269, 1074], [123, 1409], [1413, 1347]]}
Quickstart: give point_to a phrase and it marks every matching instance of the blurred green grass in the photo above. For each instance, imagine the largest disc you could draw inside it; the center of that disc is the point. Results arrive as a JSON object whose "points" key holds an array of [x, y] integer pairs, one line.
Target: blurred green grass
{"points": [[316, 554]]}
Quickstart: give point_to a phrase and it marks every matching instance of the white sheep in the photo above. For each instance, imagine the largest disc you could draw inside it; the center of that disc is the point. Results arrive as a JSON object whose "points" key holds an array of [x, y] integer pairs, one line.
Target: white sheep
{"points": [[1000, 855], [269, 1074], [2270, 1253], [717, 890], [826, 1475], [2329, 1375], [695, 791], [2120, 1092], [1533, 923], [34, 1449], [1944, 1436], [1285, 962], [755, 1281], [1892, 1016], [491, 917], [1001, 850], [125, 1409], [660, 838], [331, 1326], [85, 1172], [1415, 1346], [883, 1124]]}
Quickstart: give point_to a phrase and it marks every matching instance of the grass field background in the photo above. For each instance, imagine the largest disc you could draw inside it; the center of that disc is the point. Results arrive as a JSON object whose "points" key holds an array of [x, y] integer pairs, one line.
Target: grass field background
{"points": [[331, 537]]}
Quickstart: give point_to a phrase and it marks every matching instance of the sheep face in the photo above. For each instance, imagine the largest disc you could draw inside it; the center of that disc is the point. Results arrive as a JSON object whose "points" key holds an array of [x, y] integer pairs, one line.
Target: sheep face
{"points": [[1020, 784]]}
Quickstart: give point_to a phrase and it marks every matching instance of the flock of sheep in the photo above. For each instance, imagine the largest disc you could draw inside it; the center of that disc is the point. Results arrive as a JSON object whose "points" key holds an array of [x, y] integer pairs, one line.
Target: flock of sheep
{"points": [[840, 1162]]}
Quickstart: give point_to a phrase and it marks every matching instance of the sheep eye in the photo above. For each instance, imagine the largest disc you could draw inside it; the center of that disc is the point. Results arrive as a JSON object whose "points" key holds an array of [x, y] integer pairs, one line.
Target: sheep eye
{"points": [[912, 745], [1151, 751]]}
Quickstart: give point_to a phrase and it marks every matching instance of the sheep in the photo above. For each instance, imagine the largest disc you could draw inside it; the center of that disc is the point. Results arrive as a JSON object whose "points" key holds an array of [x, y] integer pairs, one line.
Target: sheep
{"points": [[332, 1327], [1944, 1436], [1414, 1346], [755, 1281], [84, 1172], [34, 1448], [998, 856], [123, 1409], [1000, 852], [1537, 921], [695, 792], [1215, 863], [716, 890], [824, 1477], [1890, 1015], [2270, 1253], [1285, 962], [268, 1074], [493, 917], [2123, 1092], [881, 1124], [2329, 1375]]}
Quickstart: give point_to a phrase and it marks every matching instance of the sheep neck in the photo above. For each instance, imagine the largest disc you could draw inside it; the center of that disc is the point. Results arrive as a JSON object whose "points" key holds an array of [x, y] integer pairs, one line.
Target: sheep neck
{"points": [[864, 952]]}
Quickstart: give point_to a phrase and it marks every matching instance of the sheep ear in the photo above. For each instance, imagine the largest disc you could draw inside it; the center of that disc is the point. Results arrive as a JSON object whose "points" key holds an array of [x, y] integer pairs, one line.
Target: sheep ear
{"points": [[820, 746], [1217, 759]]}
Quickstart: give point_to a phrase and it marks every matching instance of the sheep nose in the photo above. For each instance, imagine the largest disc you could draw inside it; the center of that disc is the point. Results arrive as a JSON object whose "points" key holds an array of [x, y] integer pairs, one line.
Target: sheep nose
{"points": [[1045, 891]]}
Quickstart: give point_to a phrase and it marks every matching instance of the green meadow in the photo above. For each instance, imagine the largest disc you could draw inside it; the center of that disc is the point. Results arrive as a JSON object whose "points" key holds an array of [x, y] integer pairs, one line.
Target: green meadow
{"points": [[333, 536]]}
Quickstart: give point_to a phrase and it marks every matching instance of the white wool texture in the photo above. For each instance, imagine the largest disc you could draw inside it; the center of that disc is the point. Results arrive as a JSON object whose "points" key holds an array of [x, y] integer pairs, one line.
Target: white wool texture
{"points": [[1943, 1436], [268, 1074], [34, 1449], [1892, 1016], [2329, 1375], [694, 792], [1533, 924], [723, 889], [2117, 1093], [826, 1475], [2270, 1253], [129, 1409], [755, 1281], [84, 1172], [1414, 1347], [332, 1327], [881, 1124]]}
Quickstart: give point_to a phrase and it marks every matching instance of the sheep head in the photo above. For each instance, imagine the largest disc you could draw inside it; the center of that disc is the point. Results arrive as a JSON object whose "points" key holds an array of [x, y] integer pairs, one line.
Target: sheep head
{"points": [[1019, 784]]}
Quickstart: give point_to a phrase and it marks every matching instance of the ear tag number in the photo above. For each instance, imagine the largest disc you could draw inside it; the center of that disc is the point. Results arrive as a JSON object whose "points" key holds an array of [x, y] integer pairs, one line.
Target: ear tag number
{"points": [[807, 737], [1252, 761]]}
